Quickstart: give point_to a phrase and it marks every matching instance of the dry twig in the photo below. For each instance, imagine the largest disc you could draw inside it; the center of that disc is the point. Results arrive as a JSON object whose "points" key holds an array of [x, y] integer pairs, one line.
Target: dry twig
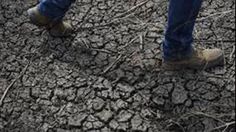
{"points": [[112, 64], [225, 126], [131, 10], [12, 83], [232, 53], [103, 50], [208, 116], [129, 43], [216, 14], [176, 123]]}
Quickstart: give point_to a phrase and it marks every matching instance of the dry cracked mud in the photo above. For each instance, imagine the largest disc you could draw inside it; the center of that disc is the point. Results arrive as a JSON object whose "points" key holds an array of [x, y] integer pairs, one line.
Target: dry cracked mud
{"points": [[107, 77]]}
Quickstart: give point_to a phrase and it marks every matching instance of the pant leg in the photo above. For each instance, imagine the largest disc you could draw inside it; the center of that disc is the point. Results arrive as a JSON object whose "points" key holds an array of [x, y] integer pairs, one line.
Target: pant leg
{"points": [[179, 31], [54, 9]]}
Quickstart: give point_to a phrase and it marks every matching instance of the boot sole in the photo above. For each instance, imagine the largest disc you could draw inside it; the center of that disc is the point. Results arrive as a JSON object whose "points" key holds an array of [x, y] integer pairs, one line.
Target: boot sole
{"points": [[207, 65]]}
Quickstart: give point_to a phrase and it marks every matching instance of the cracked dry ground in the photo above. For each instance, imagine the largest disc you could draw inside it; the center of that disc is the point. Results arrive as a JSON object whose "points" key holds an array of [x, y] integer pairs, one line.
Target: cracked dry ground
{"points": [[107, 77]]}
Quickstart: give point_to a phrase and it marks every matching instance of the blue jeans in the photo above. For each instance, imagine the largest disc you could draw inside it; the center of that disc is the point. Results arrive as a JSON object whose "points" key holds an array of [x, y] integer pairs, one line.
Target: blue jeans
{"points": [[179, 31], [54, 9]]}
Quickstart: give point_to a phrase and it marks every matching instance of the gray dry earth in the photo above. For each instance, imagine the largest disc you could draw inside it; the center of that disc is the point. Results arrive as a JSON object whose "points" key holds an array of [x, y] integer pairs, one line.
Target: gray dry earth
{"points": [[107, 77]]}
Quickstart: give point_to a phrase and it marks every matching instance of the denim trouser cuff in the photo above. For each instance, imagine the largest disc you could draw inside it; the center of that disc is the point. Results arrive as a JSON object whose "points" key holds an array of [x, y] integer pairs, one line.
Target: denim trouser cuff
{"points": [[179, 32], [177, 54], [55, 10]]}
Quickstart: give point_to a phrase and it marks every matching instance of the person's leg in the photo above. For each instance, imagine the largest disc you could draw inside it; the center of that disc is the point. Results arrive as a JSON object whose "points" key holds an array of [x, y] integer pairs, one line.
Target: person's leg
{"points": [[49, 13], [54, 9], [178, 51], [178, 37]]}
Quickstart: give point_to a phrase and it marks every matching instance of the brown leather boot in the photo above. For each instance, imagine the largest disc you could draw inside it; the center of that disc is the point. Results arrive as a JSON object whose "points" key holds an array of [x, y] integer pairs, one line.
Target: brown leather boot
{"points": [[200, 59], [56, 29]]}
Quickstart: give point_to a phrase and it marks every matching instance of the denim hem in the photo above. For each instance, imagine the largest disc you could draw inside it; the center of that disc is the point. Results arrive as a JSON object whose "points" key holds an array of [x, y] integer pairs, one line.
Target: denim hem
{"points": [[177, 54], [51, 18]]}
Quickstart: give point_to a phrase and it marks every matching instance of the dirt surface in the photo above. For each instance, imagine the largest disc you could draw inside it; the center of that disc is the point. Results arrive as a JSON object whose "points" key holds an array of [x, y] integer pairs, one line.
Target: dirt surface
{"points": [[107, 77]]}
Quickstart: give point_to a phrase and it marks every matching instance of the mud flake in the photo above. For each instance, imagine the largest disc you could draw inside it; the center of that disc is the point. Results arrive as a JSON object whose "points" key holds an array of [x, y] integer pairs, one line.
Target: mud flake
{"points": [[179, 95]]}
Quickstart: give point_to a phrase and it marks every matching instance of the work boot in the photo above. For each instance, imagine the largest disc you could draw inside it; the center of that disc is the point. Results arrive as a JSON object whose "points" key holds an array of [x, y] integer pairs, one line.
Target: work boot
{"points": [[56, 29], [200, 59]]}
